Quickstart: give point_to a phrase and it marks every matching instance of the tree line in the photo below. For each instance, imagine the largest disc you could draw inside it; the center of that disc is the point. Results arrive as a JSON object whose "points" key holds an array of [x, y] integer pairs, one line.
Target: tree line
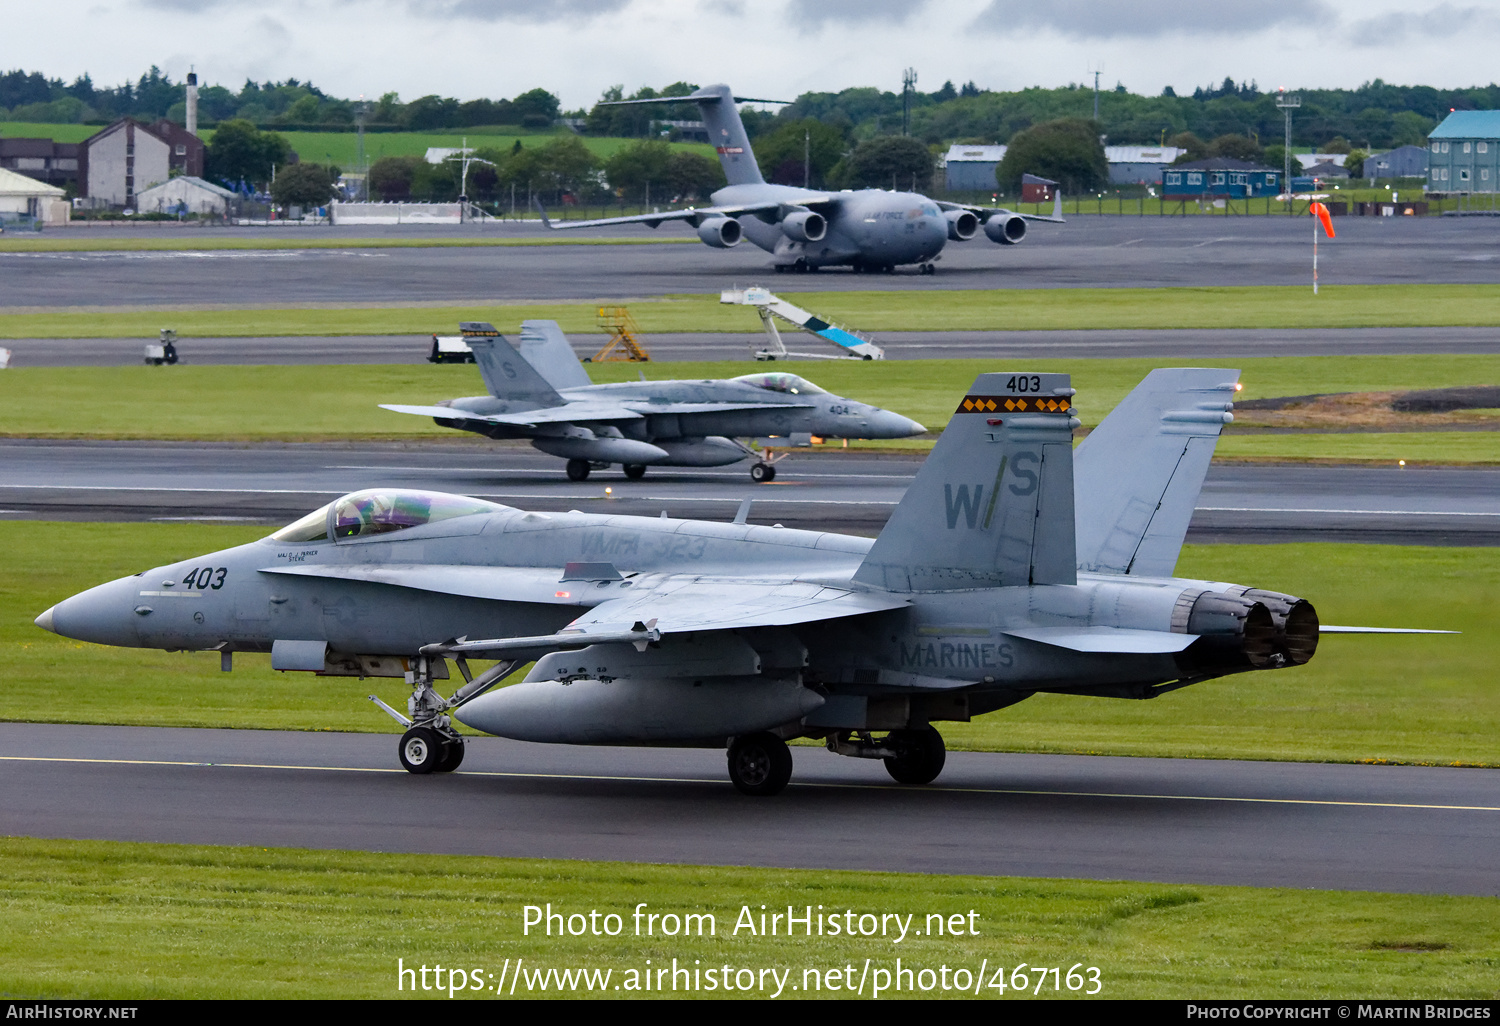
{"points": [[1376, 115]]}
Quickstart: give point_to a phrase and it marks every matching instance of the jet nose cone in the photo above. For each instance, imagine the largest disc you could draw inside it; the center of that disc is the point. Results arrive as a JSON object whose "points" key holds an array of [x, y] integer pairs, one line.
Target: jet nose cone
{"points": [[45, 620], [885, 424], [104, 615]]}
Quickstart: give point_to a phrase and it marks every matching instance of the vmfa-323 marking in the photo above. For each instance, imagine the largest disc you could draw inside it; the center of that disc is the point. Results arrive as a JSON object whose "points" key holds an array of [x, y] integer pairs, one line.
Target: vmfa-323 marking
{"points": [[804, 229], [979, 593]]}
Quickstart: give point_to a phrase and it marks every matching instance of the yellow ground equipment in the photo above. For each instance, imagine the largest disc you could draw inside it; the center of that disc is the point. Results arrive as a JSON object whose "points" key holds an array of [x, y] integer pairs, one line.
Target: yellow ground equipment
{"points": [[624, 336]]}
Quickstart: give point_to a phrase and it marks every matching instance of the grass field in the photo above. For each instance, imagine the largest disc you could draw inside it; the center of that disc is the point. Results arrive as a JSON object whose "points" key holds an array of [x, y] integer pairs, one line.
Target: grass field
{"points": [[1422, 699], [1342, 306], [90, 919], [342, 148], [342, 401]]}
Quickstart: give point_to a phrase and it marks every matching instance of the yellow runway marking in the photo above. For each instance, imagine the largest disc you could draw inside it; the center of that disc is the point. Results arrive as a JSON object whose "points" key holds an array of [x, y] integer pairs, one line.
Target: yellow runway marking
{"points": [[857, 787]]}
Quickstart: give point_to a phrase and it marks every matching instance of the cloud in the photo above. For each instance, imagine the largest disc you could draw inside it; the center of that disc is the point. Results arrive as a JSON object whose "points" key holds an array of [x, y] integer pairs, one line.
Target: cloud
{"points": [[1105, 19], [808, 15], [187, 6], [1435, 23], [517, 10]]}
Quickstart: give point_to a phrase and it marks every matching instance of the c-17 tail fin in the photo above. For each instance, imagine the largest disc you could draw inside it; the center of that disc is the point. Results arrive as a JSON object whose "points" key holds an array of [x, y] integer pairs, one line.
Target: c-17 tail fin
{"points": [[506, 374], [993, 504], [1139, 472], [726, 132]]}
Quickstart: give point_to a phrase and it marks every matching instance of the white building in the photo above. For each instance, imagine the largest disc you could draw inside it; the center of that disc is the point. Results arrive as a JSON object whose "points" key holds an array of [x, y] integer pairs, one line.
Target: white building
{"points": [[184, 193], [118, 162], [27, 197]]}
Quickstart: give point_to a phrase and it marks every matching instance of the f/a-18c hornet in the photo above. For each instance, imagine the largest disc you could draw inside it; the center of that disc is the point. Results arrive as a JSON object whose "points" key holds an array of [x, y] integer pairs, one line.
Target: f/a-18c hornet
{"points": [[543, 393], [994, 580], [805, 229]]}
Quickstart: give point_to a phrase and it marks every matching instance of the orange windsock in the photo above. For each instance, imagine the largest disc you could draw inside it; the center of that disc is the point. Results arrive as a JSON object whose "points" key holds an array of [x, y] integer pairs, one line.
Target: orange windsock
{"points": [[1320, 211]]}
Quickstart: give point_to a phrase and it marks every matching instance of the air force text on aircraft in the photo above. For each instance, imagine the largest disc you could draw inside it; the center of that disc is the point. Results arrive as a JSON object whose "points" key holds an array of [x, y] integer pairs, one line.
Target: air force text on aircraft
{"points": [[764, 921]]}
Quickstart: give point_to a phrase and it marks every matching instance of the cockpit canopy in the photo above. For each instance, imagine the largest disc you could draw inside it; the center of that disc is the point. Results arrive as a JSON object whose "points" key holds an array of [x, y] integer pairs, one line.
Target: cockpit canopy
{"points": [[777, 381], [381, 511]]}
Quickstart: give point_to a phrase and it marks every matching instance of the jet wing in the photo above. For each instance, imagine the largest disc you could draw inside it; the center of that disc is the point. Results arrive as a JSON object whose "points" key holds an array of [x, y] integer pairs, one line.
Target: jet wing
{"points": [[984, 213], [586, 412], [569, 414], [716, 604], [695, 215]]}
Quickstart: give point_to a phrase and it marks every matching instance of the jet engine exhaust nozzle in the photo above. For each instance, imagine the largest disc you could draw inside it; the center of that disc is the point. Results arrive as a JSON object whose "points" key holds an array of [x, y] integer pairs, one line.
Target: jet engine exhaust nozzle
{"points": [[1234, 633], [721, 232], [963, 225], [805, 226], [1006, 230]]}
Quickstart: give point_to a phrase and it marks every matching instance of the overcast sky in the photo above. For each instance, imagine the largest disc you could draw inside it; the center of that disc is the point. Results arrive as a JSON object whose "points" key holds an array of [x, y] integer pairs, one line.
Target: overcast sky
{"points": [[764, 48]]}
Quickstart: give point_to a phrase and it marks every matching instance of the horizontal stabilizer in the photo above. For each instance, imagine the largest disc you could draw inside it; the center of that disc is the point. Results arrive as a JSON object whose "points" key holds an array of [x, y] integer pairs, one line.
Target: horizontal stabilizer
{"points": [[1329, 629], [1110, 640]]}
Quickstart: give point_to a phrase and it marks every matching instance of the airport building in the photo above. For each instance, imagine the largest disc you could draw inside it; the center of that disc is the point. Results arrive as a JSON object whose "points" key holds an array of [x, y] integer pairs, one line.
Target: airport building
{"points": [[47, 161], [119, 162], [971, 168], [185, 194], [24, 197], [1219, 178], [1463, 151], [1402, 162], [1139, 165]]}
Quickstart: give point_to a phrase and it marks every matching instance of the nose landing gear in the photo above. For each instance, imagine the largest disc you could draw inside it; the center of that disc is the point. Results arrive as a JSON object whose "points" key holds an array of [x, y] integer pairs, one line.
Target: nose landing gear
{"points": [[431, 744]]}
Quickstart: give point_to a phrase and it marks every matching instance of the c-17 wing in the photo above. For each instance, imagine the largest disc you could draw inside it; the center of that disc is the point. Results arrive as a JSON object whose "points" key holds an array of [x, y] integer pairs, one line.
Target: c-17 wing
{"points": [[985, 213], [693, 215]]}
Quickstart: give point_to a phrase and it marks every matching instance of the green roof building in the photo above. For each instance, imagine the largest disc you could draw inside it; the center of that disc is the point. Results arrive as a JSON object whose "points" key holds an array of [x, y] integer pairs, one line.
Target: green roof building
{"points": [[1463, 153]]}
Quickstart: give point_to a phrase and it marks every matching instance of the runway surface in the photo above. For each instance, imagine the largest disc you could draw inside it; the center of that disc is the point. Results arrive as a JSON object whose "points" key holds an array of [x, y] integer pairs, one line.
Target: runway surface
{"points": [[903, 345], [1104, 251], [1374, 828], [274, 484]]}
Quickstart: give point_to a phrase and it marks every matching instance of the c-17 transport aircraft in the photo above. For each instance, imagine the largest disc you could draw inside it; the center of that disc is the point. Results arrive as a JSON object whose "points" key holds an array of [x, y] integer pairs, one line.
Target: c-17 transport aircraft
{"points": [[805, 229], [543, 393], [993, 580]]}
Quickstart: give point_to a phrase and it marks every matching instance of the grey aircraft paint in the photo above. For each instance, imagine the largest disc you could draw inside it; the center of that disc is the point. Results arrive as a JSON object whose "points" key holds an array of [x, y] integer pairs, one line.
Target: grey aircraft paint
{"points": [[680, 632], [545, 396], [804, 229]]}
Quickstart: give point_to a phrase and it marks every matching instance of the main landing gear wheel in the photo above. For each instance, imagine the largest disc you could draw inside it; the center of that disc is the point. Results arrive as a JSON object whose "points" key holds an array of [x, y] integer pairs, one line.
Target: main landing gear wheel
{"points": [[919, 758], [422, 750], [452, 755], [635, 471], [929, 268], [761, 473], [578, 470], [759, 764]]}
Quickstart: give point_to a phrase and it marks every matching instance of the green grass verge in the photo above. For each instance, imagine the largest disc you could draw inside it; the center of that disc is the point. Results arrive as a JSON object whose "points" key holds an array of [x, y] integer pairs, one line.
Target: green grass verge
{"points": [[1416, 699], [1270, 306], [92, 919], [342, 401]]}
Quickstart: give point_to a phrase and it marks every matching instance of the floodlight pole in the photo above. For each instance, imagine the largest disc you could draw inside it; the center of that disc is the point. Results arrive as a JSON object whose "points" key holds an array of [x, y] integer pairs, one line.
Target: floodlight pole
{"points": [[908, 80], [1287, 105]]}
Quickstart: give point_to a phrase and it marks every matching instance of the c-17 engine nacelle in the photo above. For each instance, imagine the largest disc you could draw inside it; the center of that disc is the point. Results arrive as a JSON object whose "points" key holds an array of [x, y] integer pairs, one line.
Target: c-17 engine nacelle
{"points": [[1006, 229], [720, 232], [962, 225], [805, 226]]}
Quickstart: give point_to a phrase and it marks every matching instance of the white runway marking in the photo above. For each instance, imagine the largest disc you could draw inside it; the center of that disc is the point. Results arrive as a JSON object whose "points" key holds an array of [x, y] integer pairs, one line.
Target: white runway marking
{"points": [[931, 789]]}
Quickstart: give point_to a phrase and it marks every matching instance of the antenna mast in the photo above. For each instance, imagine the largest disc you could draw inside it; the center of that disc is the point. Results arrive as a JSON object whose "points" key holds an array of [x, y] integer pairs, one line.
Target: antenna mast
{"points": [[908, 82]]}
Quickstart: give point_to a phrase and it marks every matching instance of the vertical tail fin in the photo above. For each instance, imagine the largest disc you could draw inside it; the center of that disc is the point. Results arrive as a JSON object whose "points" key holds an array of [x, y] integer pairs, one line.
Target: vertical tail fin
{"points": [[546, 348], [1140, 471], [727, 134], [506, 375], [993, 503]]}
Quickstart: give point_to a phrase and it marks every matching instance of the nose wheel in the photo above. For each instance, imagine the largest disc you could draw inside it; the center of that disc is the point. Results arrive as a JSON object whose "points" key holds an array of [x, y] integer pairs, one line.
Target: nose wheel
{"points": [[761, 473]]}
